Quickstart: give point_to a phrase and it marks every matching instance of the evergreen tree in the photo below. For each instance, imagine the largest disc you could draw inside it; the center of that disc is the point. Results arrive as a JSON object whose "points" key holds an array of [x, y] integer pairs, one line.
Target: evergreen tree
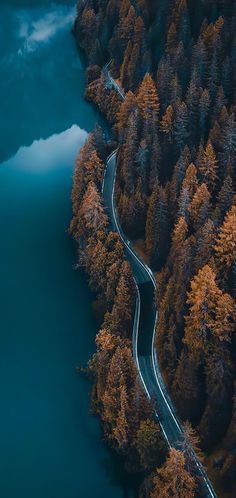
{"points": [[157, 231], [148, 100], [211, 312], [225, 247], [208, 167], [149, 444], [172, 479], [200, 206], [181, 125]]}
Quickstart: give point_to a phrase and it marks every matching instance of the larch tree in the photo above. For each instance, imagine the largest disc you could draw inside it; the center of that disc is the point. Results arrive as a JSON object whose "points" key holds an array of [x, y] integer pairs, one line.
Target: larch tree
{"points": [[120, 318], [172, 479], [204, 247], [92, 213], [157, 227], [225, 247], [148, 100], [211, 312], [167, 122], [209, 167], [190, 445], [188, 189], [204, 107], [94, 169], [200, 206], [127, 107], [225, 198], [181, 125], [120, 431], [149, 444]]}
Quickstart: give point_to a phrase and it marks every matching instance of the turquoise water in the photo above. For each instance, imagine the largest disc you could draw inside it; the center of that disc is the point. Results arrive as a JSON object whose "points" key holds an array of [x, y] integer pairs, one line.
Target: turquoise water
{"points": [[50, 446]]}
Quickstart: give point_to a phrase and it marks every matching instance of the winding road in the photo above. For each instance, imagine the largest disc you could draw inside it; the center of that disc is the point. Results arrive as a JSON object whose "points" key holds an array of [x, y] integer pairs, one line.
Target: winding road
{"points": [[144, 328]]}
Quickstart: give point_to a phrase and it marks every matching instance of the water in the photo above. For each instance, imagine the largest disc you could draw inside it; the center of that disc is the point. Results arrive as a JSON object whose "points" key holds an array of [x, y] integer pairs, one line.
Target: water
{"points": [[50, 446]]}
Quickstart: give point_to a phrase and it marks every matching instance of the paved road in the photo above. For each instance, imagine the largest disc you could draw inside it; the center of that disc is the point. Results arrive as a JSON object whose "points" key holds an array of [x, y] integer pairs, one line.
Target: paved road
{"points": [[146, 316]]}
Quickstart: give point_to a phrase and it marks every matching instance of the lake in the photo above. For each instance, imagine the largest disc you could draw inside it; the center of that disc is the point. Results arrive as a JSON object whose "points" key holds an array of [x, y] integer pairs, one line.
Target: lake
{"points": [[51, 447]]}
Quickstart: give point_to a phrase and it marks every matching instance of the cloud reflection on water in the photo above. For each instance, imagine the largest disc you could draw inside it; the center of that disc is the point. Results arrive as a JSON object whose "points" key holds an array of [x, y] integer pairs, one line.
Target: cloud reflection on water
{"points": [[59, 150]]}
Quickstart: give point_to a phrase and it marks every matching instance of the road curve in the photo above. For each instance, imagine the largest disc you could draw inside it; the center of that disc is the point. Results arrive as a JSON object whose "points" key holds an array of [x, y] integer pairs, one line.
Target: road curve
{"points": [[144, 328]]}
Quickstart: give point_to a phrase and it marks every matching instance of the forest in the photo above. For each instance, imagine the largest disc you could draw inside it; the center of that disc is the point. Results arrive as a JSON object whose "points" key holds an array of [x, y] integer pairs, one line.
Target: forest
{"points": [[175, 131]]}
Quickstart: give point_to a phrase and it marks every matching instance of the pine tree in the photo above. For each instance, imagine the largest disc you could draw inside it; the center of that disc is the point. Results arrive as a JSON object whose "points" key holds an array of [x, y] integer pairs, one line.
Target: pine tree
{"points": [[120, 319], [172, 479], [229, 142], [219, 385], [120, 431], [124, 67], [167, 122], [171, 38], [211, 312], [181, 125], [192, 101], [94, 169], [126, 109], [157, 227], [148, 100], [92, 214], [225, 247], [175, 91], [200, 207], [134, 70], [209, 168], [178, 177], [204, 107], [149, 444], [190, 445], [178, 238], [205, 240], [225, 198], [189, 187]]}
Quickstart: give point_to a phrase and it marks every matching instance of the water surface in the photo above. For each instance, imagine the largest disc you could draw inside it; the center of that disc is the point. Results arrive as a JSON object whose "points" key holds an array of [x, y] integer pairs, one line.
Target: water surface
{"points": [[50, 446]]}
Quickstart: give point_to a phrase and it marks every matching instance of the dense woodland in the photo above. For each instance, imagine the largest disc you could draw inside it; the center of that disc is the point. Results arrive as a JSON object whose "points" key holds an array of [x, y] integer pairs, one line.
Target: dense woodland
{"points": [[176, 131]]}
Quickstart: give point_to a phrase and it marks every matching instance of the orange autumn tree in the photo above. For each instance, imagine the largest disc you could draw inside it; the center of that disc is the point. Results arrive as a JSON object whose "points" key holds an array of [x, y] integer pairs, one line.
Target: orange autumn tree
{"points": [[211, 311], [172, 479], [92, 214], [200, 206], [149, 443], [147, 98], [190, 445], [225, 247], [209, 167], [167, 122]]}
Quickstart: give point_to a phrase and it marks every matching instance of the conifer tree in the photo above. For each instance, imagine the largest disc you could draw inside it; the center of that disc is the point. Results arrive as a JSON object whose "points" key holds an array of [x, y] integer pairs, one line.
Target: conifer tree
{"points": [[120, 319], [225, 247], [190, 445], [167, 122], [157, 231], [148, 100], [149, 444], [189, 187], [204, 107], [127, 107], [181, 125], [225, 198], [208, 167], [92, 213], [211, 312], [172, 479], [205, 240], [200, 206]]}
